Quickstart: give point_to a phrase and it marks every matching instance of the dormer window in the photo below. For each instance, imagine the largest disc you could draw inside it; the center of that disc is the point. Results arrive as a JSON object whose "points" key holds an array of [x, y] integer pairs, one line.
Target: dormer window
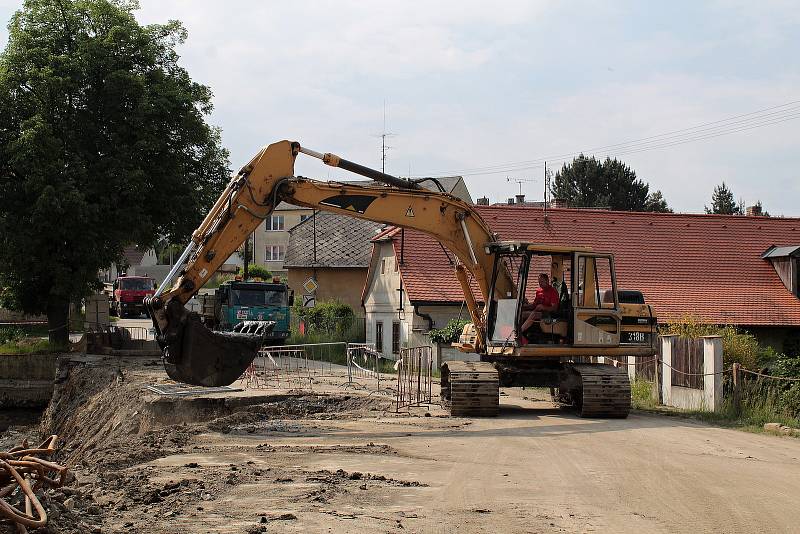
{"points": [[785, 260]]}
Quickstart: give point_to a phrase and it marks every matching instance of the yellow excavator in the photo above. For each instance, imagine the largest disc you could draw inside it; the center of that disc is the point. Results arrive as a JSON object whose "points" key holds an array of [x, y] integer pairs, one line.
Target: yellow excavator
{"points": [[559, 351]]}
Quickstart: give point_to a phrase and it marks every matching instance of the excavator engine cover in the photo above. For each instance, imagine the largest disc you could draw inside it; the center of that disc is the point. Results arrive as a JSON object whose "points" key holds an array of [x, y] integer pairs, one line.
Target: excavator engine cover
{"points": [[195, 355]]}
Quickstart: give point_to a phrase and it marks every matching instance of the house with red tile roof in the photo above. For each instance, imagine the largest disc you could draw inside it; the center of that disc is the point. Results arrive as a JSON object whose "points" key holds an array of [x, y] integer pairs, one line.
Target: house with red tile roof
{"points": [[719, 269]]}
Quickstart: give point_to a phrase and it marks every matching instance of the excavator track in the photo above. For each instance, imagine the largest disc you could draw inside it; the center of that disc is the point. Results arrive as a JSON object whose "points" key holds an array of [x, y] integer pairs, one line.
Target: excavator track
{"points": [[603, 391], [470, 389]]}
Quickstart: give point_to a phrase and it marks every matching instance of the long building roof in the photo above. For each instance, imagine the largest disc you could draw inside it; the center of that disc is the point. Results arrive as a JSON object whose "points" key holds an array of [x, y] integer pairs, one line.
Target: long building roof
{"points": [[706, 266]]}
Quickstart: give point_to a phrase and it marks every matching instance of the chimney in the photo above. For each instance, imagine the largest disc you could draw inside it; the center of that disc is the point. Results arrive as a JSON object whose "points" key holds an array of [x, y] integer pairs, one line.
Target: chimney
{"points": [[483, 201], [753, 211], [510, 202], [558, 203], [520, 199]]}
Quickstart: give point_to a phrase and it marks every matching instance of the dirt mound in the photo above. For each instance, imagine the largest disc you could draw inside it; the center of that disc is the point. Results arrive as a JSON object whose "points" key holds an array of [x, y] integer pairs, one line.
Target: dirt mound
{"points": [[94, 407]]}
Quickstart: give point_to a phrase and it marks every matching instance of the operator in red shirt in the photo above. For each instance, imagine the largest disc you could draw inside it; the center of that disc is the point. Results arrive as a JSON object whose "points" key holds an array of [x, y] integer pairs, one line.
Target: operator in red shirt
{"points": [[546, 301]]}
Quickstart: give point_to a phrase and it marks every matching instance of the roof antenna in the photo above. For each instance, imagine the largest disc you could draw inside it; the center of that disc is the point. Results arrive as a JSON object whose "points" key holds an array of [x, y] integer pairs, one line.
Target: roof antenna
{"points": [[383, 135], [546, 204]]}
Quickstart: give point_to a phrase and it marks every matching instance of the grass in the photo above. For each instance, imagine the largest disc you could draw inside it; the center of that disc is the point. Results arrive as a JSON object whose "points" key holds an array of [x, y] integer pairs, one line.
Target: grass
{"points": [[760, 404], [29, 346], [24, 339], [642, 395]]}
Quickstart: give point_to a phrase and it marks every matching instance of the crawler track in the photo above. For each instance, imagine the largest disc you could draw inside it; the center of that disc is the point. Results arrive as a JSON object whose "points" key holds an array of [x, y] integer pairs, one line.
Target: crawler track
{"points": [[470, 389], [605, 391]]}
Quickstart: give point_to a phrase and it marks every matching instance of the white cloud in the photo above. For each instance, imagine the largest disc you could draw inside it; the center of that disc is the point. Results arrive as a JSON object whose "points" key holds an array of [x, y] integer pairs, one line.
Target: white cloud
{"points": [[470, 84]]}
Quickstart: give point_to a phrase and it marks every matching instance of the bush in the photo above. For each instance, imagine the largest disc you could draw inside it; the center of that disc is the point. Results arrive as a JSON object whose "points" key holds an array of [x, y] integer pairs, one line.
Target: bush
{"points": [[327, 317], [259, 271], [737, 346], [790, 401], [11, 334], [786, 365], [327, 322], [448, 334]]}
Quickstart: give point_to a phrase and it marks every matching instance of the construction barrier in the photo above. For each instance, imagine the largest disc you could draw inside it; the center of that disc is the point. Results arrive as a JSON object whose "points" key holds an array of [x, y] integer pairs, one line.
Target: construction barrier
{"points": [[414, 378]]}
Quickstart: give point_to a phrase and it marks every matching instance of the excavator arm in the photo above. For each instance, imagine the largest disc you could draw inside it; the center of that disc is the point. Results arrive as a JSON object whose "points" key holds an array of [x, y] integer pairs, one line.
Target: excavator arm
{"points": [[196, 355]]}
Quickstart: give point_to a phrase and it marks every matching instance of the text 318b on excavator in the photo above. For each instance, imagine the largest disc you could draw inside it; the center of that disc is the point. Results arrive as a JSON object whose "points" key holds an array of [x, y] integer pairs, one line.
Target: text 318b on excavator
{"points": [[558, 351]]}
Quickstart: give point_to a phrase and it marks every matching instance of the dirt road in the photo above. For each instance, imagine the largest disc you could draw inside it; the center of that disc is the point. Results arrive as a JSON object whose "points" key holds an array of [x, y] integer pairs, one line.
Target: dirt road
{"points": [[533, 469], [337, 461]]}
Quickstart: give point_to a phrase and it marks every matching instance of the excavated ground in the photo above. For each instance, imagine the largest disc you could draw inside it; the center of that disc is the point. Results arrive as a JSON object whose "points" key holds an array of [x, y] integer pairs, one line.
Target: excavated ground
{"points": [[339, 460]]}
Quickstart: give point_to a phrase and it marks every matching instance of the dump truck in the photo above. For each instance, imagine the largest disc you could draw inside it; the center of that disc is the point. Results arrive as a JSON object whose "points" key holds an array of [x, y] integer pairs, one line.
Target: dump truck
{"points": [[128, 293], [235, 301], [559, 351]]}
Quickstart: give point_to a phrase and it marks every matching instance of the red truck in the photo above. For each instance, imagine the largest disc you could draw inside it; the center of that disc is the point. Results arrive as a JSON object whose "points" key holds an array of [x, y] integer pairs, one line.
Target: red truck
{"points": [[128, 293]]}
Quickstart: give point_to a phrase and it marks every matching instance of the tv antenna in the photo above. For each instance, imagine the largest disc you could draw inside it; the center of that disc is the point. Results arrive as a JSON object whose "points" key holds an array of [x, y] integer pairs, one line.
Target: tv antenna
{"points": [[519, 182], [384, 135]]}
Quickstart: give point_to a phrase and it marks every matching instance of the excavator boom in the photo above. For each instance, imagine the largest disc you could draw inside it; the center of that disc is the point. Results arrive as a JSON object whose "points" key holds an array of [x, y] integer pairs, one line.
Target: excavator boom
{"points": [[196, 355]]}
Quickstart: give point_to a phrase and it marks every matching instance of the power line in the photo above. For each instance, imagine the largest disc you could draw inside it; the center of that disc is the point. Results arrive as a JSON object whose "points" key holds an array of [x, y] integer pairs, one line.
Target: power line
{"points": [[737, 123]]}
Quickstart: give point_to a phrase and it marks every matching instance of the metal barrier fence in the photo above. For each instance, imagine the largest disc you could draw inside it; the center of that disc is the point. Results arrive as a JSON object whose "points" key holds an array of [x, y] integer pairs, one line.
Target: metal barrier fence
{"points": [[295, 366], [298, 366], [365, 366], [414, 378], [118, 337]]}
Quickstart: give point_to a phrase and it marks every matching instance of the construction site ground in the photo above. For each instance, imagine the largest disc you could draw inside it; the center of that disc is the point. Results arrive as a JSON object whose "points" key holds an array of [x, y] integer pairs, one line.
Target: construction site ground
{"points": [[338, 459]]}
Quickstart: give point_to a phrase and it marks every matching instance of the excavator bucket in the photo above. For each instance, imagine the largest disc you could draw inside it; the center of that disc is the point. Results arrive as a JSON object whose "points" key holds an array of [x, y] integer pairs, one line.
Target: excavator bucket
{"points": [[195, 355]]}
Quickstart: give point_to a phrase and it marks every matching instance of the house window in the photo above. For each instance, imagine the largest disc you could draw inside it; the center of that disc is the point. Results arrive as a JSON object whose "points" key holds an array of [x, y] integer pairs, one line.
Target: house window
{"points": [[275, 223], [304, 217], [395, 337], [379, 336], [383, 266], [275, 253]]}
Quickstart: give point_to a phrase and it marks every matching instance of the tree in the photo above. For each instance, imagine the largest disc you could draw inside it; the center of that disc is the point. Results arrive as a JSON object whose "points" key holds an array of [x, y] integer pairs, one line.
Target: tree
{"points": [[656, 202], [760, 209], [103, 143], [722, 202], [587, 182]]}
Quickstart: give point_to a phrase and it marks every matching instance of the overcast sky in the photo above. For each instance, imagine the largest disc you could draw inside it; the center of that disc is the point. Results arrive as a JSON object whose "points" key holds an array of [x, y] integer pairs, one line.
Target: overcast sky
{"points": [[470, 85]]}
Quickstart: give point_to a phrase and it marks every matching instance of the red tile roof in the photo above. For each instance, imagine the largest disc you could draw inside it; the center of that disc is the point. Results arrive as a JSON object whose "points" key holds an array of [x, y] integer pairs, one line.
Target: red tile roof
{"points": [[427, 272], [707, 266]]}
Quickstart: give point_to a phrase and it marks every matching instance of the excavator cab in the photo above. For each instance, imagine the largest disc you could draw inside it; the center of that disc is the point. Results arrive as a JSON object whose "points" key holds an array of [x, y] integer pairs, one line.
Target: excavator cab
{"points": [[588, 312]]}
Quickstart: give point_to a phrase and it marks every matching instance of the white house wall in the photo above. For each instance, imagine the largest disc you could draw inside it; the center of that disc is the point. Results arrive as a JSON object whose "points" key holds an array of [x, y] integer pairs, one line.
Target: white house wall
{"points": [[382, 300]]}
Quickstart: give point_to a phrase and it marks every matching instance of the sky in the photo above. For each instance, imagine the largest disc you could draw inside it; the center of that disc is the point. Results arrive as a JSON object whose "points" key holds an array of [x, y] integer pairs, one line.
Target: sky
{"points": [[490, 91]]}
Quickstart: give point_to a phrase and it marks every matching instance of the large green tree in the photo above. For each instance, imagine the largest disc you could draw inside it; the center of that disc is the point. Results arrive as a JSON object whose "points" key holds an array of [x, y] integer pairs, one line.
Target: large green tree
{"points": [[723, 202], [588, 182], [103, 143]]}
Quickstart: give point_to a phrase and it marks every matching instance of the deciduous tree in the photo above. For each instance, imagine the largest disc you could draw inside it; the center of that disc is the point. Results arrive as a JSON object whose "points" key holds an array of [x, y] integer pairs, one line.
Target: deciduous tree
{"points": [[103, 143]]}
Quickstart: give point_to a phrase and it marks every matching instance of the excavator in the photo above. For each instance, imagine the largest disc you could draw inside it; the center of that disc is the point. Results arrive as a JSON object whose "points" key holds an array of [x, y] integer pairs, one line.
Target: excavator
{"points": [[560, 351]]}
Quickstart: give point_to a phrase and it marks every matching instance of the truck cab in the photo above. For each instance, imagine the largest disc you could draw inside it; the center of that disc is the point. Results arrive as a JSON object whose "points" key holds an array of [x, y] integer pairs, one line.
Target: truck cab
{"points": [[236, 301], [128, 293]]}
